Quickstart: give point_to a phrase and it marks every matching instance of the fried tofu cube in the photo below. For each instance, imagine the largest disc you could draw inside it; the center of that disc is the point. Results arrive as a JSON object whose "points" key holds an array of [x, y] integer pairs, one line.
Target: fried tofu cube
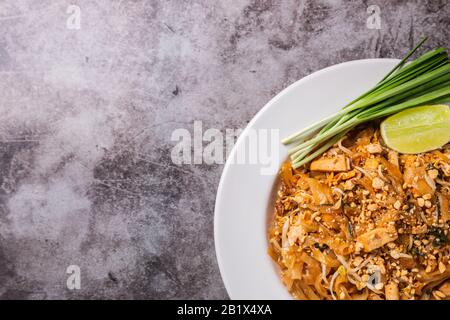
{"points": [[377, 238], [338, 163], [391, 291]]}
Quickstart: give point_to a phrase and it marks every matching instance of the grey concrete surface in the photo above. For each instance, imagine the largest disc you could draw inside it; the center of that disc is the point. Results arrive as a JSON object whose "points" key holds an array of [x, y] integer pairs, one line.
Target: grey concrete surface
{"points": [[86, 117]]}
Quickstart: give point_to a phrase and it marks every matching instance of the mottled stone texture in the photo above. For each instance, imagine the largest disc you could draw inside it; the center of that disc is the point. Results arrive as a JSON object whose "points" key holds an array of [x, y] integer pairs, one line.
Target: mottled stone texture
{"points": [[86, 118]]}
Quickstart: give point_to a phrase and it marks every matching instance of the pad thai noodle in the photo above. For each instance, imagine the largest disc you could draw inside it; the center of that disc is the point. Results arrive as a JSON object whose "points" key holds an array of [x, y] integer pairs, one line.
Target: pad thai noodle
{"points": [[362, 221]]}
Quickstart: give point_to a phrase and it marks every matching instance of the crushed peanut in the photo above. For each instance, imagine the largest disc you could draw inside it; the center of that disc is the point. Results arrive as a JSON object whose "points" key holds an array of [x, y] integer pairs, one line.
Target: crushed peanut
{"points": [[377, 183], [397, 205], [433, 173], [420, 202], [374, 148]]}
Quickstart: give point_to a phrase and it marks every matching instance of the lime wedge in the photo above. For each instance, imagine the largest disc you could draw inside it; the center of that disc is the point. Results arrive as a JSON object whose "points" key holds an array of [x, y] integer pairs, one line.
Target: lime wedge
{"points": [[418, 129]]}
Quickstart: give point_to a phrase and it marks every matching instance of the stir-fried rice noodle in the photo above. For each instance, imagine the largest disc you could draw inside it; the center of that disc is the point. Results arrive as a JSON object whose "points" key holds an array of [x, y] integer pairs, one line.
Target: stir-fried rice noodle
{"points": [[364, 222]]}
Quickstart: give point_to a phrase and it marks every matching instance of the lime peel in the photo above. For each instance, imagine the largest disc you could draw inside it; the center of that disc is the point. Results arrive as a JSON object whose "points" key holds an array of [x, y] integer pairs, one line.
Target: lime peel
{"points": [[418, 129]]}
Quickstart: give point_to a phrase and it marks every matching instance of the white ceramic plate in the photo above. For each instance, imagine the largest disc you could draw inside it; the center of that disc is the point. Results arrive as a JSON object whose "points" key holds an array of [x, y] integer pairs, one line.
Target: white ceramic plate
{"points": [[243, 203]]}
